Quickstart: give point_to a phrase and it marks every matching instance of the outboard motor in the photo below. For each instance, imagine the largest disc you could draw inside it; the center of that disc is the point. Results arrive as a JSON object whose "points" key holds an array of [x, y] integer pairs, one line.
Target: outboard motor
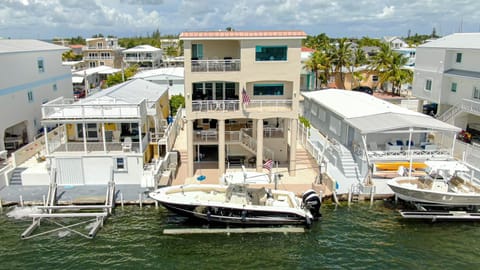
{"points": [[312, 202]]}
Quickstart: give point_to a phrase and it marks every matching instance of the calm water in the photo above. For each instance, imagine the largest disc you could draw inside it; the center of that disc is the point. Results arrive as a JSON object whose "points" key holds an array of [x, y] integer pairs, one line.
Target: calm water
{"points": [[357, 238]]}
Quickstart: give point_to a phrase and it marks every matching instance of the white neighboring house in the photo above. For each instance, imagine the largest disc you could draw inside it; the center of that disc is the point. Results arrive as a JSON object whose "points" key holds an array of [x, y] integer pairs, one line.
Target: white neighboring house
{"points": [[118, 133], [447, 73], [395, 42], [171, 78], [143, 55], [31, 74]]}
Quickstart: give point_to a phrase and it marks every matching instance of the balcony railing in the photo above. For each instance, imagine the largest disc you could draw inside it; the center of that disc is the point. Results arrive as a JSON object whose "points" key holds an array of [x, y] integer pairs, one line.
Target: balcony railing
{"points": [[139, 58], [216, 65], [63, 108], [234, 105], [97, 58]]}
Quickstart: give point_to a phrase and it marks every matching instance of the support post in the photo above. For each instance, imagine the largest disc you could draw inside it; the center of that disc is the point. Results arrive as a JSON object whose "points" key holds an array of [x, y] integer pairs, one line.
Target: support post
{"points": [[121, 199], [372, 193], [140, 200], [21, 200]]}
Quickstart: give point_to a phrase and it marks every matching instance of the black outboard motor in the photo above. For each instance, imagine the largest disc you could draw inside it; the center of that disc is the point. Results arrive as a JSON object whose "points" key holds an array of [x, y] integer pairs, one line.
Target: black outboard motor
{"points": [[312, 202]]}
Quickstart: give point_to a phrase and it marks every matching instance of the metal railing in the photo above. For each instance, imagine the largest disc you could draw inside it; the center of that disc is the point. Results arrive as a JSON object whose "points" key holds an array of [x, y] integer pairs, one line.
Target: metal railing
{"points": [[215, 105], [225, 65], [64, 108], [270, 104]]}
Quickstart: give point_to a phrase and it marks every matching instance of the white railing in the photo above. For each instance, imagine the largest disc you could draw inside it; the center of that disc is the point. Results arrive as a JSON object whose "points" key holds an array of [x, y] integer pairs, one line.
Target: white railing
{"points": [[465, 105], [139, 58], [406, 154], [270, 104], [215, 105], [471, 106], [63, 108], [216, 65], [97, 58]]}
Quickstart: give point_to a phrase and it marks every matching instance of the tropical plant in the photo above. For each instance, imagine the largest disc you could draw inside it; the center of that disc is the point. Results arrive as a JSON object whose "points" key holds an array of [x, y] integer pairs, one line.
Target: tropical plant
{"points": [[119, 77], [341, 57], [176, 102], [304, 121], [359, 59]]}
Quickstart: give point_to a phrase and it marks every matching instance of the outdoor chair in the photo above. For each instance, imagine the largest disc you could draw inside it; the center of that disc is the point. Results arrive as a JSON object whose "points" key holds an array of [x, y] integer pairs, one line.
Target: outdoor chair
{"points": [[127, 144]]}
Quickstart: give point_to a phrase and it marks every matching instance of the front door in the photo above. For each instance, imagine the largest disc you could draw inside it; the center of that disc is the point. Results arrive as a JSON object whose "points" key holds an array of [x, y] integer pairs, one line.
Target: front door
{"points": [[91, 131]]}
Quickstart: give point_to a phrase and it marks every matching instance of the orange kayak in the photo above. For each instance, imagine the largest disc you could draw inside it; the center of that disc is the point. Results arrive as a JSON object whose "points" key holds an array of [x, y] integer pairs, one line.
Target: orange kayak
{"points": [[393, 166]]}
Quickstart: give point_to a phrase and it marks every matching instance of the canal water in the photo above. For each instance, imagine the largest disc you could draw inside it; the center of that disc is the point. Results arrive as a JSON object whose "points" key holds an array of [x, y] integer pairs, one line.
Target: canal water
{"points": [[359, 237]]}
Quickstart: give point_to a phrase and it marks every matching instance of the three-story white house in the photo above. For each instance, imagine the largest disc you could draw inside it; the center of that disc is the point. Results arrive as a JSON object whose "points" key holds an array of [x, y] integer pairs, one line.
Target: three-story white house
{"points": [[447, 74], [31, 74], [241, 96]]}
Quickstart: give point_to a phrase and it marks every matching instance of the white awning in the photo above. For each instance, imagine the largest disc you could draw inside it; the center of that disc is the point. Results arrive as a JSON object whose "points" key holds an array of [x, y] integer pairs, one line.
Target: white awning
{"points": [[77, 79]]}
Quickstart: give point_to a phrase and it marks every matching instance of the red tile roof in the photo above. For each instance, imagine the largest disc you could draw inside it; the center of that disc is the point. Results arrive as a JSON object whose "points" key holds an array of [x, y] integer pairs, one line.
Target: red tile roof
{"points": [[305, 49], [242, 34]]}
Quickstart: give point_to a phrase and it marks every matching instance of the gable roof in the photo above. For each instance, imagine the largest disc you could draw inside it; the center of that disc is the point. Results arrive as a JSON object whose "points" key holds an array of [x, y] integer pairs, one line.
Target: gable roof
{"points": [[294, 34], [27, 45]]}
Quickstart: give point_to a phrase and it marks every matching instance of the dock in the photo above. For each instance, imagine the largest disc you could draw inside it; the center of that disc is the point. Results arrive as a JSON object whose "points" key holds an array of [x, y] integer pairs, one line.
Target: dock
{"points": [[229, 231]]}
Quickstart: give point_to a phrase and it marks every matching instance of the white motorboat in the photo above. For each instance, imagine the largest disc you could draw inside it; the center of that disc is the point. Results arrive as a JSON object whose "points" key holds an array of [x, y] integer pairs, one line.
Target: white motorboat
{"points": [[240, 204], [448, 183]]}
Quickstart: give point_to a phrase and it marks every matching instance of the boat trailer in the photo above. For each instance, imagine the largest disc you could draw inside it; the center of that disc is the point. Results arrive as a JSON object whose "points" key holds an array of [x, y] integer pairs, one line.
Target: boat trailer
{"points": [[51, 212]]}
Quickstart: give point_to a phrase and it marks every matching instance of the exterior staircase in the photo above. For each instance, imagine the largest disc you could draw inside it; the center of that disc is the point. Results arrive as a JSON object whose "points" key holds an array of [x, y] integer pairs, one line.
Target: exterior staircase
{"points": [[350, 169], [466, 105], [16, 179], [250, 144]]}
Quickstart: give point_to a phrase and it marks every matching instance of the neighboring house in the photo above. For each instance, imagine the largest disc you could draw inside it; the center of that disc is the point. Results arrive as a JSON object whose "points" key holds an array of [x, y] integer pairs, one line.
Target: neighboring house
{"points": [[395, 42], [173, 61], [102, 52], [408, 53], [32, 74], [75, 65], [169, 42], [113, 134], [94, 78], [447, 73], [143, 55], [359, 130], [242, 93], [171, 78], [77, 49]]}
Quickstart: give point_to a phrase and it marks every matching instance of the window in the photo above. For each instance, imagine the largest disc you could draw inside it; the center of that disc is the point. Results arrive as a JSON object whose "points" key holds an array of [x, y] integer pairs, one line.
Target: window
{"points": [[30, 96], [271, 53], [54, 87], [459, 58], [91, 131], [268, 89], [197, 51], [428, 85], [454, 87], [120, 163], [40, 65], [322, 115], [476, 93], [374, 78], [170, 82], [335, 125], [313, 109]]}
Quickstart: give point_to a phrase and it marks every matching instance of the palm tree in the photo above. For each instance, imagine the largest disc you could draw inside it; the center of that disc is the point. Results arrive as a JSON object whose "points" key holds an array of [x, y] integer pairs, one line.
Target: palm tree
{"points": [[390, 67], [341, 56], [359, 59], [319, 62]]}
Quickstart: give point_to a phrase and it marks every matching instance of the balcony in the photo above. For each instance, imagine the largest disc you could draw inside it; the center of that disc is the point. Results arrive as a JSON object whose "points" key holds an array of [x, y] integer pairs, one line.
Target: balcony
{"points": [[97, 58], [139, 58], [215, 65], [234, 105], [62, 108]]}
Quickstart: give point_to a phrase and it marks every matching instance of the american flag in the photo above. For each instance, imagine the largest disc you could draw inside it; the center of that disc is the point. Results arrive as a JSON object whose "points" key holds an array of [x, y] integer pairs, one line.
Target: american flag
{"points": [[245, 97], [268, 164]]}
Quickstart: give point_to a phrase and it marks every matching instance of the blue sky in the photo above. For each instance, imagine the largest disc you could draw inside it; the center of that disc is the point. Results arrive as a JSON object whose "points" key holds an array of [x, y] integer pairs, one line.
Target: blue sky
{"points": [[44, 19]]}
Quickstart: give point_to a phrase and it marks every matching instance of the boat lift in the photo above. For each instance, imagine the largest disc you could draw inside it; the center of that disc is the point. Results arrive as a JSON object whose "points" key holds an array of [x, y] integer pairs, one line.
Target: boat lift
{"points": [[51, 211], [424, 212]]}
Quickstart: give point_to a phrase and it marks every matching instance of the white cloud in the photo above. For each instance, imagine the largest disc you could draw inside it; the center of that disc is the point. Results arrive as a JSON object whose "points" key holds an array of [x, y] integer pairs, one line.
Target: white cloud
{"points": [[48, 18]]}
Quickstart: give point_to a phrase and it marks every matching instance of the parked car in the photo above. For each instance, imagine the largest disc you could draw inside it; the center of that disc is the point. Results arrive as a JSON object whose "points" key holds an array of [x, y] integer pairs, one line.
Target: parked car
{"points": [[430, 109], [364, 89], [79, 94]]}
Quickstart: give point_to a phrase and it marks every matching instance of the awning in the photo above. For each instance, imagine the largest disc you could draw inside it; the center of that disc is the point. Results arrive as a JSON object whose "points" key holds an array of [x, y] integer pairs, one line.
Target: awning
{"points": [[394, 121], [77, 79]]}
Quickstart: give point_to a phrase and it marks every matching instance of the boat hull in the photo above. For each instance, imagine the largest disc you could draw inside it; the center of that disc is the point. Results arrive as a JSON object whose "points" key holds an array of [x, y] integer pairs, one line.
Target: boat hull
{"points": [[417, 195]]}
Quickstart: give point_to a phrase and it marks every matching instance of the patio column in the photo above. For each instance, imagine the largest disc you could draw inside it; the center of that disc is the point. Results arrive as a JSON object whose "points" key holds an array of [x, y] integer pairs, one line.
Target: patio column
{"points": [[84, 131], [293, 147], [140, 138], [364, 141], [410, 152], [190, 148], [221, 146], [47, 150], [259, 144], [65, 132], [453, 143], [103, 138]]}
